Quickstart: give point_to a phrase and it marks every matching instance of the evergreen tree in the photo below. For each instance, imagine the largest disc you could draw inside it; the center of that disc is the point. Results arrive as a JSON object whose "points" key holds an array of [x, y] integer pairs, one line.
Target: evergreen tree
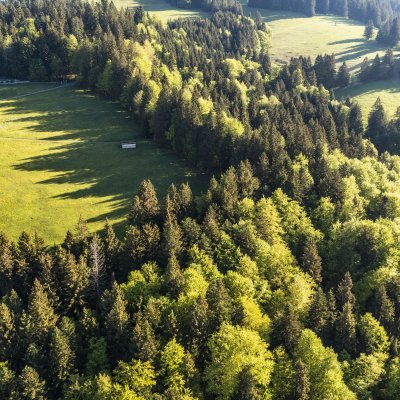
{"points": [[343, 76], [30, 386], [80, 238], [172, 237], [346, 329], [319, 313], [344, 292], [97, 267], [111, 247], [145, 207], [41, 318], [198, 326], [6, 265], [97, 360], [369, 30], [117, 325], [247, 183], [7, 332], [186, 201], [247, 387], [61, 359], [73, 279], [355, 119], [289, 329], [302, 385], [311, 261], [394, 35], [173, 277], [219, 303], [377, 123], [385, 307], [144, 342], [8, 387]]}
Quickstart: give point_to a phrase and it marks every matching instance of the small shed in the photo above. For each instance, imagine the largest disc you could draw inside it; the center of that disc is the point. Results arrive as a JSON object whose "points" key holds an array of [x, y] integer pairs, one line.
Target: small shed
{"points": [[128, 145]]}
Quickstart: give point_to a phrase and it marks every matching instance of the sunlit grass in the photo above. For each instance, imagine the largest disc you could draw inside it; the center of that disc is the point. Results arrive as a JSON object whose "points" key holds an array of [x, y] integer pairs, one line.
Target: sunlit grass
{"points": [[60, 158], [367, 93], [162, 9]]}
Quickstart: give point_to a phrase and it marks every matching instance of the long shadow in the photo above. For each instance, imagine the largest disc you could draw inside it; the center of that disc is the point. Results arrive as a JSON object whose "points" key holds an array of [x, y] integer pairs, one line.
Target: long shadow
{"points": [[84, 135], [356, 51], [345, 41], [160, 6], [368, 88]]}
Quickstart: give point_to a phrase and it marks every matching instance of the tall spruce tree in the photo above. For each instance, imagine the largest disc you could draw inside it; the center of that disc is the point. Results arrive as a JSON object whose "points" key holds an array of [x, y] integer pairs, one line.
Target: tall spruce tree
{"points": [[145, 206], [61, 360], [343, 76], [30, 385], [302, 384], [369, 30], [377, 122], [117, 325], [97, 266], [41, 318], [311, 261]]}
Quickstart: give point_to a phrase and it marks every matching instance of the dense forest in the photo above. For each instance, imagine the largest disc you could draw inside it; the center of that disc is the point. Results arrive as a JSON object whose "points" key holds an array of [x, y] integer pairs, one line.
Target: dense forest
{"points": [[379, 69], [281, 281], [389, 33]]}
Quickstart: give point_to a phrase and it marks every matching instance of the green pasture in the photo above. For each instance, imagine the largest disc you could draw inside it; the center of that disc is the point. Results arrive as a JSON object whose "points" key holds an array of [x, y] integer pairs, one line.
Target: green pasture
{"points": [[60, 158], [294, 34], [367, 93], [162, 9]]}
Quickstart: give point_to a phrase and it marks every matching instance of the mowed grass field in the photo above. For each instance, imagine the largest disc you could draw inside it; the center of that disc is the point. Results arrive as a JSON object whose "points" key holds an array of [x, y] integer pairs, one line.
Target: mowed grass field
{"points": [[162, 9], [367, 93], [60, 158], [294, 34]]}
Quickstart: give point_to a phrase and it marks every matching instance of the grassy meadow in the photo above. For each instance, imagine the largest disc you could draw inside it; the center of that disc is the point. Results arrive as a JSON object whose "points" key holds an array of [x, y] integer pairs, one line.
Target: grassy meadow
{"points": [[294, 34], [162, 9], [60, 158], [367, 93]]}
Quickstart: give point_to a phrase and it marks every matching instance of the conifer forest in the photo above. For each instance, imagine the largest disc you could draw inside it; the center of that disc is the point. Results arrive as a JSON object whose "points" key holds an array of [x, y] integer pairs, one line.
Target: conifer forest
{"points": [[280, 280]]}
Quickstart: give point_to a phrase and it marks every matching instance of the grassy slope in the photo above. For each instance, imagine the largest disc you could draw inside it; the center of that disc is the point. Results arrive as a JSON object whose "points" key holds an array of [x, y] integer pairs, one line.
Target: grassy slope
{"points": [[366, 94], [60, 158], [293, 34], [161, 8]]}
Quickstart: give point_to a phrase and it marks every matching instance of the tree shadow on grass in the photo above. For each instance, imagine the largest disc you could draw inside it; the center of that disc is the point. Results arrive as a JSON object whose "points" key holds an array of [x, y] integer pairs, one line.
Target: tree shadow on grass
{"points": [[356, 51], [84, 134], [391, 86], [161, 6], [345, 41]]}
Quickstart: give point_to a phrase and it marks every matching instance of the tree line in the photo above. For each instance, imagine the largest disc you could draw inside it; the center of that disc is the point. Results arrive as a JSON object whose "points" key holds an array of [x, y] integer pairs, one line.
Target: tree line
{"points": [[209, 5], [389, 32], [379, 12], [379, 69]]}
